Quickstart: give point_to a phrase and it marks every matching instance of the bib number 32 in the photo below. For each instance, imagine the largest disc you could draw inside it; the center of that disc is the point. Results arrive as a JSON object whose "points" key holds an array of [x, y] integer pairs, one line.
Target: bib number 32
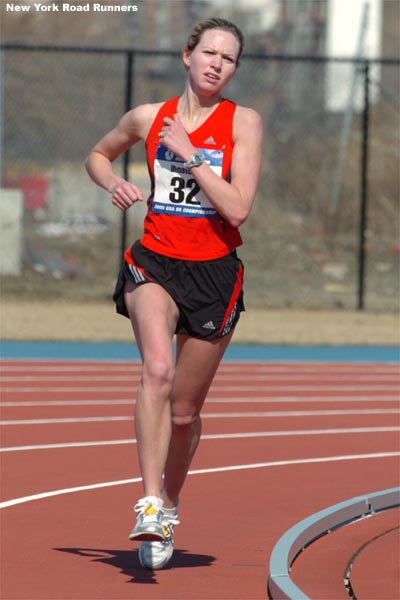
{"points": [[184, 191]]}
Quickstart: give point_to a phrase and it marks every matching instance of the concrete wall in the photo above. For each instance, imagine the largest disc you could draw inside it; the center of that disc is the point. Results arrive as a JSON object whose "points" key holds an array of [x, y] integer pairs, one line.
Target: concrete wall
{"points": [[11, 211]]}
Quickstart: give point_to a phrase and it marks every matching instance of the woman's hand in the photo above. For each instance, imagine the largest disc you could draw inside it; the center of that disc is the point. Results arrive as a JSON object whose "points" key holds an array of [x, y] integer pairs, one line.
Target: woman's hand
{"points": [[125, 194], [175, 138]]}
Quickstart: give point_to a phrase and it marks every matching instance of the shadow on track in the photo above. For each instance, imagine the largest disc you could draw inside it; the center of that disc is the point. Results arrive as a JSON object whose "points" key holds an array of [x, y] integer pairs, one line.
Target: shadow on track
{"points": [[127, 561]]}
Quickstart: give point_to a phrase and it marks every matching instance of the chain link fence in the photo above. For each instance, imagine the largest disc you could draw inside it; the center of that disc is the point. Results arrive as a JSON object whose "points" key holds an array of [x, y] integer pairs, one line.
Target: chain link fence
{"points": [[324, 229]]}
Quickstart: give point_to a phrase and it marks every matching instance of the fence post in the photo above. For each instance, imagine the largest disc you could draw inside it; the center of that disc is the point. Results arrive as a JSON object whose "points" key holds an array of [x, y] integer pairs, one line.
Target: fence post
{"points": [[363, 190], [128, 105]]}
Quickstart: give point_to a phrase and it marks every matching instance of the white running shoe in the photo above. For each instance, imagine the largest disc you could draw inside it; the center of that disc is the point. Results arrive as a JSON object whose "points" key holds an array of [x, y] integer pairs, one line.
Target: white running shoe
{"points": [[155, 555], [149, 524]]}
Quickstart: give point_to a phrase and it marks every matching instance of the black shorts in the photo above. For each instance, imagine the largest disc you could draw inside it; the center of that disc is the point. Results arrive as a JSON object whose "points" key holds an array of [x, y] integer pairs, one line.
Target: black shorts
{"points": [[208, 294]]}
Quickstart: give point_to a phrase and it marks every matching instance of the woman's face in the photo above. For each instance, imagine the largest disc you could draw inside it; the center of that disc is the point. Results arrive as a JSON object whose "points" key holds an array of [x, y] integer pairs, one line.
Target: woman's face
{"points": [[213, 63]]}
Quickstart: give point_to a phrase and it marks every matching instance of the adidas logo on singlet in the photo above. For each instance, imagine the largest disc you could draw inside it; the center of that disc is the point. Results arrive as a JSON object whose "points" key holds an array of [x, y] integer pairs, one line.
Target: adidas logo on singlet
{"points": [[210, 140], [209, 325]]}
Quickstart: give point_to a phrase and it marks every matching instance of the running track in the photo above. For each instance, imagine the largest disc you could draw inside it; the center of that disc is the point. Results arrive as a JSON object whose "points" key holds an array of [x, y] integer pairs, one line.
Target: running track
{"points": [[283, 438]]}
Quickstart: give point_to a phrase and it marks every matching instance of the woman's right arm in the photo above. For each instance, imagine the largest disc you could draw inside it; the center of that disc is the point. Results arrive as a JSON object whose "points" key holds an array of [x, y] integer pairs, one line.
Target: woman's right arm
{"points": [[132, 128]]}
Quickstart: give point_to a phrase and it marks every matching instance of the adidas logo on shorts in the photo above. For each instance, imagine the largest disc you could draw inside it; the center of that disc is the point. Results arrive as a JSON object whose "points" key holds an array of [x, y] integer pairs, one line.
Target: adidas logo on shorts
{"points": [[209, 325]]}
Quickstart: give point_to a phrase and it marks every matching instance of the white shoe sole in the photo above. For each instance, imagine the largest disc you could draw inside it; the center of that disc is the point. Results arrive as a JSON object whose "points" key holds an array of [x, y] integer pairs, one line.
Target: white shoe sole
{"points": [[153, 557]]}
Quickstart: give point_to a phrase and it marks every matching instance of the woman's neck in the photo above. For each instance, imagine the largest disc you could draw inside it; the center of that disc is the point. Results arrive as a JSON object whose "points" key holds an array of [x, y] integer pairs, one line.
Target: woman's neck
{"points": [[193, 109]]}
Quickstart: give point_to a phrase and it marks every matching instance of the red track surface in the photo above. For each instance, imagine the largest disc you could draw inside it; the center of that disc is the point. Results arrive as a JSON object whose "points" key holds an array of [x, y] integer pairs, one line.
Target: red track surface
{"points": [[297, 438]]}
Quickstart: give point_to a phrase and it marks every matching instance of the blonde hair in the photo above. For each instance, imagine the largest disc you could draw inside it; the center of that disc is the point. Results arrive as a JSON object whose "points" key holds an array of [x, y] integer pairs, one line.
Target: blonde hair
{"points": [[214, 23]]}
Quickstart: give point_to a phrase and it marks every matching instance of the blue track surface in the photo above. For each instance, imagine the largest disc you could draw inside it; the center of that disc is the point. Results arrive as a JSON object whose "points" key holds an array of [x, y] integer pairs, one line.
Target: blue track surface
{"points": [[126, 351]]}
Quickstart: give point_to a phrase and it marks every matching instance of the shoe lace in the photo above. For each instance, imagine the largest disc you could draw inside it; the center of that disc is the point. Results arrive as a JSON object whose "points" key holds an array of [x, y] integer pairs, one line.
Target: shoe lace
{"points": [[144, 504], [167, 520], [168, 526]]}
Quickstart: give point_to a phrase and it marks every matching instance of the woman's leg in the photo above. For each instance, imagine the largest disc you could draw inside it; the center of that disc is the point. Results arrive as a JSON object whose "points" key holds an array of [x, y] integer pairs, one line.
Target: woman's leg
{"points": [[153, 315], [196, 364]]}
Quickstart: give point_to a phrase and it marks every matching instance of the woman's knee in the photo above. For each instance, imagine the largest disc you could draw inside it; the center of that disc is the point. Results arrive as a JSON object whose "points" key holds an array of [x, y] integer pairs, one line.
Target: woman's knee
{"points": [[158, 374], [186, 421]]}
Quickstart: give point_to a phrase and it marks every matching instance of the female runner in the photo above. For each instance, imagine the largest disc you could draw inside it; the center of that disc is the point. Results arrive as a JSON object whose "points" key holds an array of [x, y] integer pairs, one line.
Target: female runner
{"points": [[183, 277]]}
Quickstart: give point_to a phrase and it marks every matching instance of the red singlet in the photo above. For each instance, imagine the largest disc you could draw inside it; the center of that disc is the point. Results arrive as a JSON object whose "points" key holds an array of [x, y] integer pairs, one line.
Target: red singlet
{"points": [[180, 222]]}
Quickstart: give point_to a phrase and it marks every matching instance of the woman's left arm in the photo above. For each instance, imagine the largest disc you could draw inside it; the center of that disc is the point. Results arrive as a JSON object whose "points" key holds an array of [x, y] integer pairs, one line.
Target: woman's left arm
{"points": [[233, 200]]}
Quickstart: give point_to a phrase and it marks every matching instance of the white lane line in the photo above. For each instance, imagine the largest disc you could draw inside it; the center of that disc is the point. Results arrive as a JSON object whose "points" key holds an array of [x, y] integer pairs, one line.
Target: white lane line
{"points": [[210, 436], [65, 420], [221, 388], [389, 378], [230, 415], [278, 368], [305, 413], [62, 368], [278, 463], [74, 378], [72, 490], [211, 400]]}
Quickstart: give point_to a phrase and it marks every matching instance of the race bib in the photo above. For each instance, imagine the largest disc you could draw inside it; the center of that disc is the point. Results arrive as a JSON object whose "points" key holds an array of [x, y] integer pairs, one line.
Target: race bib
{"points": [[176, 191]]}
